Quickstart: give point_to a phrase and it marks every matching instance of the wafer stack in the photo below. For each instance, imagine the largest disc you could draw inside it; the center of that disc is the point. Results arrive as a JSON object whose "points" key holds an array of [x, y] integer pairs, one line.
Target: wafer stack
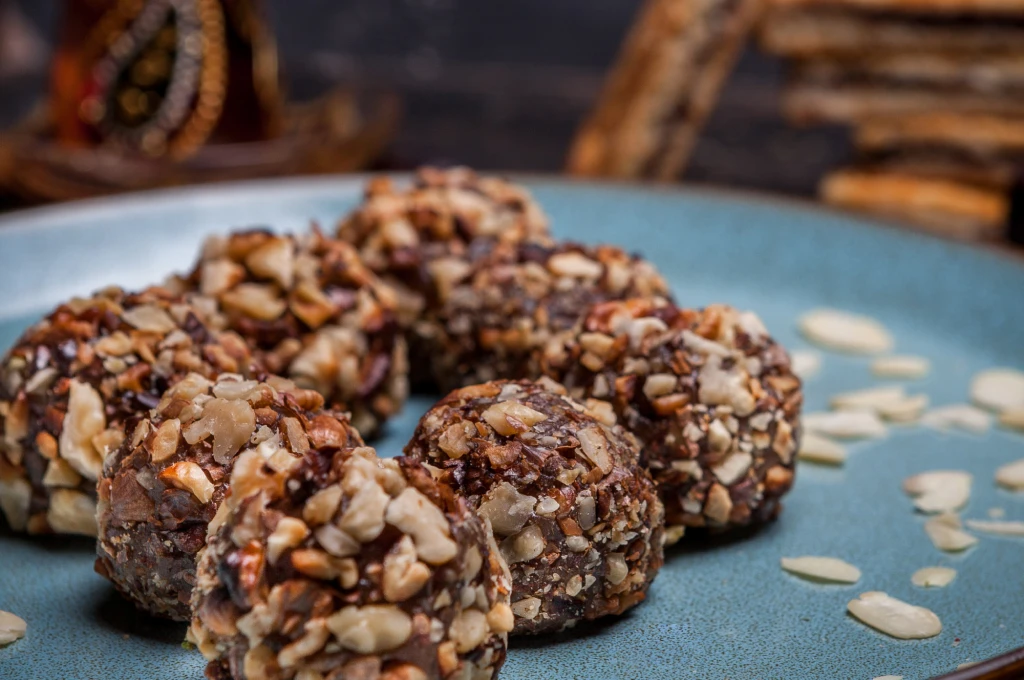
{"points": [[934, 92]]}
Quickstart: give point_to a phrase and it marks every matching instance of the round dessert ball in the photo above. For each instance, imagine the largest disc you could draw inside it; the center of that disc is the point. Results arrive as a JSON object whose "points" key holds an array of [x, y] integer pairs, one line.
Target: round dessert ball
{"points": [[72, 381], [164, 485], [313, 312], [495, 312], [348, 566], [399, 233], [710, 395], [576, 517]]}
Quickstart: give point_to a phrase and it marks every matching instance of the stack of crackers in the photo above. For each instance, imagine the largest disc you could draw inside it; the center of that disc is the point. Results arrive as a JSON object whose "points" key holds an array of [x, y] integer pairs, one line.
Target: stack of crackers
{"points": [[934, 90]]}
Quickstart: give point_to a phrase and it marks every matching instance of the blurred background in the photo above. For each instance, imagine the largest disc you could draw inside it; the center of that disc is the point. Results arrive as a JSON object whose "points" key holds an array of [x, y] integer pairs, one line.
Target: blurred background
{"points": [[503, 86]]}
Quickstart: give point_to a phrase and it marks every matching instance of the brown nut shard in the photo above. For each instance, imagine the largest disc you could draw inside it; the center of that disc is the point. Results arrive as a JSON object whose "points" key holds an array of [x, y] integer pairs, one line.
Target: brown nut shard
{"points": [[492, 319], [72, 381], [710, 395], [162, 489], [313, 312], [577, 518], [312, 577]]}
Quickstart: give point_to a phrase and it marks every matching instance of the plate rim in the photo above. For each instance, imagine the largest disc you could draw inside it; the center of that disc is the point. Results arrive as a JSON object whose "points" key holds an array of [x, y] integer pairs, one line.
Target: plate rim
{"points": [[64, 215]]}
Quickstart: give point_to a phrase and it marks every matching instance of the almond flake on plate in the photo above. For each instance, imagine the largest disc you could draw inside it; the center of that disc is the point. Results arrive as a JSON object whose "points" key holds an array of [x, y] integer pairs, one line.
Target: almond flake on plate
{"points": [[845, 424], [939, 490], [903, 366], [868, 399], [889, 677], [894, 617], [1013, 418], [828, 569], [998, 389], [933, 577], [12, 628], [1011, 475], [999, 528], [817, 449], [906, 410], [946, 533], [996, 513], [845, 332], [959, 416], [805, 363]]}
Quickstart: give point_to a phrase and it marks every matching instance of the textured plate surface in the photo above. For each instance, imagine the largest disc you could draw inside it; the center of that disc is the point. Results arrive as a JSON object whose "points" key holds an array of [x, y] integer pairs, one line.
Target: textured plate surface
{"points": [[721, 610]]}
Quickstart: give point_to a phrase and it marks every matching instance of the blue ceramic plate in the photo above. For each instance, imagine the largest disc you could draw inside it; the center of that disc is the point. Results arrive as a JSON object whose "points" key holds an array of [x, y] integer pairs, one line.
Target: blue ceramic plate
{"points": [[717, 610]]}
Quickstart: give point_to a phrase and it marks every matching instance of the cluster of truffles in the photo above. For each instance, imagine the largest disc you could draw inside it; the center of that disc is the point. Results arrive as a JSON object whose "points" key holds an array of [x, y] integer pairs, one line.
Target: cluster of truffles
{"points": [[210, 433]]}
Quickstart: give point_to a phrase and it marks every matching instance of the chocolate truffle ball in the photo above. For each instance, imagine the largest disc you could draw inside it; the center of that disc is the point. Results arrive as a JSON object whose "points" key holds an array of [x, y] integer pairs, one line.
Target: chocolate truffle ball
{"points": [[497, 311], [709, 394], [400, 233], [164, 485], [313, 312], [71, 382], [577, 519], [346, 566]]}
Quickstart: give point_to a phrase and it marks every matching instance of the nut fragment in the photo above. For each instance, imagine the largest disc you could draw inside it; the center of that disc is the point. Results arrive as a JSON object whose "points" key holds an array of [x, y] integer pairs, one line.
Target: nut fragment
{"points": [[190, 477], [1013, 418], [364, 518], [15, 497], [999, 528], [806, 363], [845, 424], [290, 532], [845, 332], [906, 366], [506, 509], [818, 449], [404, 575], [939, 490], [1011, 475], [998, 389], [12, 628], [371, 629], [894, 617], [933, 577], [414, 514], [84, 420], [946, 534], [827, 569], [961, 416], [511, 417], [71, 512]]}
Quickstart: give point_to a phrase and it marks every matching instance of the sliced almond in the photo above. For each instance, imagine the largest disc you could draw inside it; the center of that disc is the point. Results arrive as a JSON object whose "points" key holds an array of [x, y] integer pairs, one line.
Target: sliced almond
{"points": [[868, 399], [828, 569], [939, 490], [906, 410], [1011, 475], [904, 366], [933, 577], [889, 677], [998, 389], [996, 513], [1013, 418], [817, 449], [12, 628], [894, 617], [946, 534], [805, 363], [958, 416], [845, 332], [845, 424], [999, 528]]}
